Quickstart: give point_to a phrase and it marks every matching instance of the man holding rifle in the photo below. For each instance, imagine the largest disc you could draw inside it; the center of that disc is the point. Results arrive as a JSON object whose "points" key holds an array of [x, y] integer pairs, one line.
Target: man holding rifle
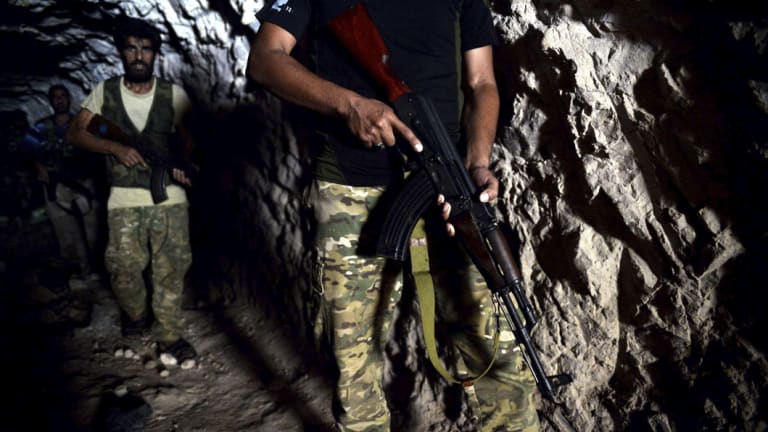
{"points": [[352, 139], [142, 232]]}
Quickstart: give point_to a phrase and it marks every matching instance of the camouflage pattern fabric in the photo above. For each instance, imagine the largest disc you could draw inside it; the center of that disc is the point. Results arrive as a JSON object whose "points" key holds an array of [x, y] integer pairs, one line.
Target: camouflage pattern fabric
{"points": [[358, 303], [155, 235], [467, 316], [359, 296]]}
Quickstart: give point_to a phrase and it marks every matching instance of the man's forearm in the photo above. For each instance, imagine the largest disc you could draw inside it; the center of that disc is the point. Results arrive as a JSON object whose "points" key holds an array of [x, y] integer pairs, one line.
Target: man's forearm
{"points": [[290, 80], [86, 141], [481, 117], [372, 121]]}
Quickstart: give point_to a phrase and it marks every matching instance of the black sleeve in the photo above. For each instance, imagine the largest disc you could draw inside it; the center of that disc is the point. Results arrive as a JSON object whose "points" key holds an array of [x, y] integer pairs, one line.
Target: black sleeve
{"points": [[476, 25], [291, 15]]}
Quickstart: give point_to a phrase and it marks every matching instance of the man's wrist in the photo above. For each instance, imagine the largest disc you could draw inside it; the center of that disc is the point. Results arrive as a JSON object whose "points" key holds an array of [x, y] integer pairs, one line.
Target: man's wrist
{"points": [[112, 148], [346, 105], [478, 155], [474, 166]]}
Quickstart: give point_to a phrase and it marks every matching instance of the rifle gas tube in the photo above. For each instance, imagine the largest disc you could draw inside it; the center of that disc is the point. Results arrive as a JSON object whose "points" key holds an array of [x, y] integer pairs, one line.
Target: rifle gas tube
{"points": [[441, 171]]}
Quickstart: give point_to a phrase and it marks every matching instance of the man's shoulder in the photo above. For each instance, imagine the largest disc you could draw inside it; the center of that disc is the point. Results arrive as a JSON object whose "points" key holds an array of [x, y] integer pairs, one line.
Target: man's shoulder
{"points": [[100, 84], [178, 90], [172, 84]]}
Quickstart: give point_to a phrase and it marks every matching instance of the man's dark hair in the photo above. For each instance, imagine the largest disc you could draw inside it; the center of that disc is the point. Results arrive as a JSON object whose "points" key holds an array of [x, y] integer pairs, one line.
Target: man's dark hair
{"points": [[55, 87], [137, 28]]}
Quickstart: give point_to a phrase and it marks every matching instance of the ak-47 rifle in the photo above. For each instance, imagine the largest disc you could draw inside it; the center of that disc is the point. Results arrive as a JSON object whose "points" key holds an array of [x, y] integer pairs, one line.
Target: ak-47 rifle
{"points": [[160, 165], [441, 171]]}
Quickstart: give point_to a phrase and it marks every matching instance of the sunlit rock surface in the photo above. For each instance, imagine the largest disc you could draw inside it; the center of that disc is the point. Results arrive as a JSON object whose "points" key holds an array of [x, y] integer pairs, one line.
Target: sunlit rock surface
{"points": [[633, 152]]}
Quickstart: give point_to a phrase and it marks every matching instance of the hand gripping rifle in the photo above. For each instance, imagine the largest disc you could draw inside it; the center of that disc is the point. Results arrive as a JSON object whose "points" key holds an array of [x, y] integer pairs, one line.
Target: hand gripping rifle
{"points": [[441, 171], [160, 165]]}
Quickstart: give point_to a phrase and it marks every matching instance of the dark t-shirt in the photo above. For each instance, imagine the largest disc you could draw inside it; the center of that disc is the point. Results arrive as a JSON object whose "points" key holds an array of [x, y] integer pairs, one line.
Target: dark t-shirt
{"points": [[424, 39]]}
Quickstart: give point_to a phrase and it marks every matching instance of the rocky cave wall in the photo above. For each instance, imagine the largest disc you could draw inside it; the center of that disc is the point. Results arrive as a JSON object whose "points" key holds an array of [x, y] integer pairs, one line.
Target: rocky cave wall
{"points": [[632, 148]]}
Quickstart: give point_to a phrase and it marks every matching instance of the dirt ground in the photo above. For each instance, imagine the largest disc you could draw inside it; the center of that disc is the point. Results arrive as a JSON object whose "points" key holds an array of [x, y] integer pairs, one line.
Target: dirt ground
{"points": [[67, 367]]}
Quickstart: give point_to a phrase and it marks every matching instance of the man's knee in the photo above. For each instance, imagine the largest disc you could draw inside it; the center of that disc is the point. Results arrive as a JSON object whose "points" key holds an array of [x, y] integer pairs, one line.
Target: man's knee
{"points": [[172, 264], [125, 260]]}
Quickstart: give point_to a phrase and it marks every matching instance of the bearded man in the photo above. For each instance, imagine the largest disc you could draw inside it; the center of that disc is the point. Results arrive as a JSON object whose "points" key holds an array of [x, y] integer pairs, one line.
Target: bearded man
{"points": [[142, 232]]}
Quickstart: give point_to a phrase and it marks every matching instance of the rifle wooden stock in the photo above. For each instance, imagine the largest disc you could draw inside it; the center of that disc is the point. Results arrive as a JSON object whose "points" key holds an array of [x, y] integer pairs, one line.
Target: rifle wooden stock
{"points": [[441, 171], [355, 30]]}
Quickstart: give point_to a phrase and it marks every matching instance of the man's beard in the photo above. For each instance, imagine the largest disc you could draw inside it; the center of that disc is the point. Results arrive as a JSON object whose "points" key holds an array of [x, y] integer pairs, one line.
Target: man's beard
{"points": [[138, 75], [61, 109]]}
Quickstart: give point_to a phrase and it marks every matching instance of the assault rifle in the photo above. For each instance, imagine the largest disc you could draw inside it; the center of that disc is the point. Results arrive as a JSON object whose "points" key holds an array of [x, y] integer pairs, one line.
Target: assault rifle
{"points": [[160, 165], [441, 171]]}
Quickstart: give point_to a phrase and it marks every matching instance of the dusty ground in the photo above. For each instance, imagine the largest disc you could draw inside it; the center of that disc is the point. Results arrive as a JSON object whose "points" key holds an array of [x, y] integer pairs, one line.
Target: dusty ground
{"points": [[65, 363]]}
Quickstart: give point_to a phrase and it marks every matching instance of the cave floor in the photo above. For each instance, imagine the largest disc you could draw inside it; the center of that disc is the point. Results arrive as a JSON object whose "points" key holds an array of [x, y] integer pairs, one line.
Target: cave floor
{"points": [[67, 368]]}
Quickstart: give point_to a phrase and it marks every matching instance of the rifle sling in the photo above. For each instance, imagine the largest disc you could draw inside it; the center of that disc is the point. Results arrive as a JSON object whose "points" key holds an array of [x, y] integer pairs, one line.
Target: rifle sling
{"points": [[426, 294]]}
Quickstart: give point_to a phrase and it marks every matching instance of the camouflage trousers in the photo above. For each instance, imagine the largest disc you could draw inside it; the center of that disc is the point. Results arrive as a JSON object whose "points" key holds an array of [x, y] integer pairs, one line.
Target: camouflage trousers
{"points": [[360, 294], [157, 236]]}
